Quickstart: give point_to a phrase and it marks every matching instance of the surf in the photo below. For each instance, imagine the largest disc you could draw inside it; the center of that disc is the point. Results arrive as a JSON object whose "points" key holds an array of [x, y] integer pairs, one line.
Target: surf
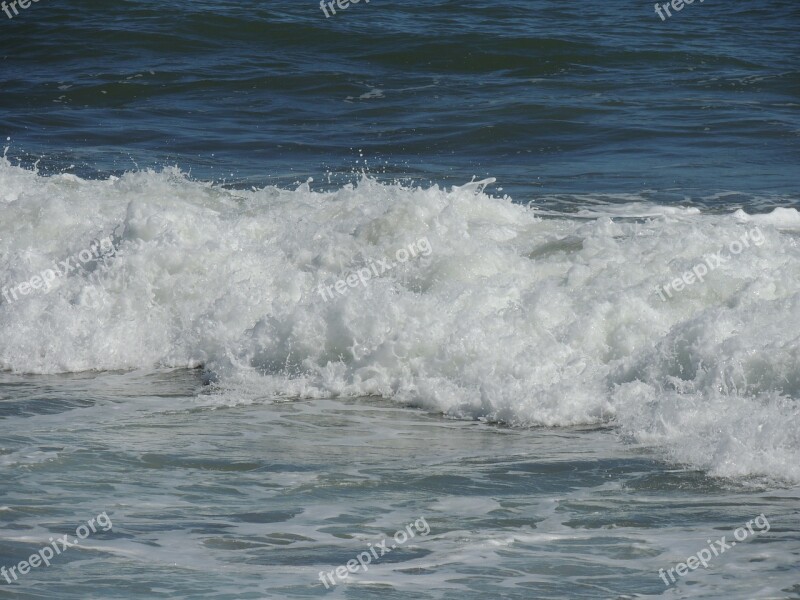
{"points": [[519, 316]]}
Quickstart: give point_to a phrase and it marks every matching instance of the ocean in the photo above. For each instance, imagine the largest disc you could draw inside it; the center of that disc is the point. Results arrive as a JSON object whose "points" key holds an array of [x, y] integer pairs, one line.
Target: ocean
{"points": [[425, 300]]}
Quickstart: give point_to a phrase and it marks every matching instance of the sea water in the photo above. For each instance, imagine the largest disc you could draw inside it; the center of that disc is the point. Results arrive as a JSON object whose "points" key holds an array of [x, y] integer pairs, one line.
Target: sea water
{"points": [[562, 426], [278, 291]]}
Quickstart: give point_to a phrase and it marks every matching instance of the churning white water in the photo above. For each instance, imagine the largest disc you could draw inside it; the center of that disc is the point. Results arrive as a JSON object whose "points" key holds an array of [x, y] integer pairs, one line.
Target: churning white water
{"points": [[511, 316]]}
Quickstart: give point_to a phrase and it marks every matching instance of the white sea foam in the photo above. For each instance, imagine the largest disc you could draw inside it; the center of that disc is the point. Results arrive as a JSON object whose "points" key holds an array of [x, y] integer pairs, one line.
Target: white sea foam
{"points": [[513, 317]]}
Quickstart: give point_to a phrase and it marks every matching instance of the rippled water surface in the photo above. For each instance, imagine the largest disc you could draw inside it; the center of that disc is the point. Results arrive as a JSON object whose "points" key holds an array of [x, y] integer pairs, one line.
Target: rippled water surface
{"points": [[576, 367], [549, 97]]}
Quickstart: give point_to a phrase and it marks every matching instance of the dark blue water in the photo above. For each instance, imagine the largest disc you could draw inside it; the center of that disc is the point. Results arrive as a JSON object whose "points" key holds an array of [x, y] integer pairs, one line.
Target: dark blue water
{"points": [[549, 97]]}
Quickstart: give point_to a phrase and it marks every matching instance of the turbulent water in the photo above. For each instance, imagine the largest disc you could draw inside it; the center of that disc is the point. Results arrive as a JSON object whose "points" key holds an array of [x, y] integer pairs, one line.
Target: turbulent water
{"points": [[274, 286], [510, 317]]}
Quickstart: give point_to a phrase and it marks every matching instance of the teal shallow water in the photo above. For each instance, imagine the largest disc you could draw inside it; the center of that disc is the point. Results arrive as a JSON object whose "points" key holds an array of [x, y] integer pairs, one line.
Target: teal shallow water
{"points": [[214, 499]]}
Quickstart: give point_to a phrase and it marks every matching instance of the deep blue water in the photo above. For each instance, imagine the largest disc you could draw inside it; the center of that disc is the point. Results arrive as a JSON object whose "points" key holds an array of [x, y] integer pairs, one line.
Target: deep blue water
{"points": [[547, 96]]}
